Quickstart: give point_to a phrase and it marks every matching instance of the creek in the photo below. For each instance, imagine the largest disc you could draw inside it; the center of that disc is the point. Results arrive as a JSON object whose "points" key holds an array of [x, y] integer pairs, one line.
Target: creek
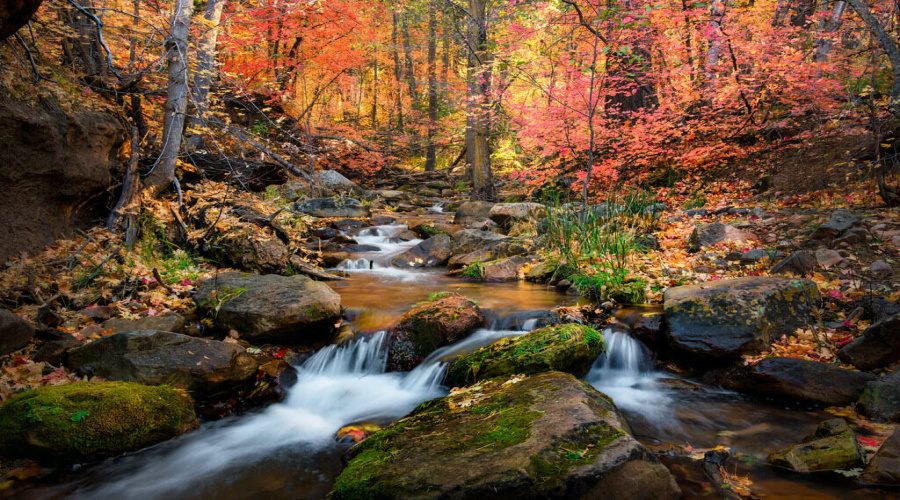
{"points": [[289, 449]]}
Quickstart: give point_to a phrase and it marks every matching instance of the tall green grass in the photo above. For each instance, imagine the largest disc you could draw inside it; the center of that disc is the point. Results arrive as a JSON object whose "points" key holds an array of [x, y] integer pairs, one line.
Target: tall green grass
{"points": [[600, 240]]}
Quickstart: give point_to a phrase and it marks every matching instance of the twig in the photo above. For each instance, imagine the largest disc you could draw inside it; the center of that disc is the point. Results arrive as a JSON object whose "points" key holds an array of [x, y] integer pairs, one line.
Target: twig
{"points": [[99, 26], [159, 280]]}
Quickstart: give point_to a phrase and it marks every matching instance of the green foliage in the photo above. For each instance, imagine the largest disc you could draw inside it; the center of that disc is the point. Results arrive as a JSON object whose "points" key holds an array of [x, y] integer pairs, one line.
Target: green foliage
{"points": [[439, 295], [474, 271], [698, 200], [614, 285], [173, 262]]}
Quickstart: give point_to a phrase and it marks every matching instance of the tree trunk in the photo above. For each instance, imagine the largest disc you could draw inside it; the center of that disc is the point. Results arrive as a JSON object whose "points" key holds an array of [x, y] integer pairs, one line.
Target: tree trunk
{"points": [[888, 44], [375, 94], [831, 25], [479, 102], [430, 150], [410, 69], [206, 68], [163, 172], [127, 210], [398, 71], [717, 13]]}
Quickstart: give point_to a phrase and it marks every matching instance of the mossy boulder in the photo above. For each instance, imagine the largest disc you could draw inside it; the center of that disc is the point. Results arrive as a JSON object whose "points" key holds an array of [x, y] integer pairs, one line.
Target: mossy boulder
{"points": [[471, 245], [270, 308], [546, 436], [207, 368], [430, 326], [568, 348], [832, 446], [93, 420], [717, 322]]}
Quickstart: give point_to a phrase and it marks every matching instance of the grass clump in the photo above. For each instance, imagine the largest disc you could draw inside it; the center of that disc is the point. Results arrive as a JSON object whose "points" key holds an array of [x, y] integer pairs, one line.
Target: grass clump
{"points": [[474, 271]]}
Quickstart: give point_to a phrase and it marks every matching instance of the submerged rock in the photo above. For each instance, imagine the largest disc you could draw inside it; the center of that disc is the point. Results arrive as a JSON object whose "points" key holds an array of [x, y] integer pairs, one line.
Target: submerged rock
{"points": [[270, 308], [878, 346], [832, 446], [204, 367], [545, 436], [721, 320], [884, 468], [790, 378], [93, 420], [333, 207], [568, 348], [430, 253], [429, 326]]}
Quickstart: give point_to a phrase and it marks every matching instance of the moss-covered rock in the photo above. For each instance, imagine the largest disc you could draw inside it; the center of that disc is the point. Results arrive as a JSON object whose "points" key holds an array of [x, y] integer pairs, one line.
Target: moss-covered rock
{"points": [[568, 348], [545, 436], [721, 320], [832, 446], [92, 420], [430, 326]]}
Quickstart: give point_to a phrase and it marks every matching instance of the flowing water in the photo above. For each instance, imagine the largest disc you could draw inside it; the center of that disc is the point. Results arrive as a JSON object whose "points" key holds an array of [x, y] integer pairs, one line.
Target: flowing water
{"points": [[289, 449]]}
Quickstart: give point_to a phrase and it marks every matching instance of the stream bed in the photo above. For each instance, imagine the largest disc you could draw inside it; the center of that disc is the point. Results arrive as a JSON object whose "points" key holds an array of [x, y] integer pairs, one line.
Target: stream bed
{"points": [[289, 450]]}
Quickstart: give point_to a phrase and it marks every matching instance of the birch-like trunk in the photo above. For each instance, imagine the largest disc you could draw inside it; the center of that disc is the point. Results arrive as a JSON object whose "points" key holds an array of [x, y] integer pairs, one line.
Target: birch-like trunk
{"points": [[206, 68], [163, 173]]}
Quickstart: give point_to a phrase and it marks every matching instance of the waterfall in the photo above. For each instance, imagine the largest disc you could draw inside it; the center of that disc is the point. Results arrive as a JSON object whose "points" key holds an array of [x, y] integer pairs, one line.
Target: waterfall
{"points": [[624, 373]]}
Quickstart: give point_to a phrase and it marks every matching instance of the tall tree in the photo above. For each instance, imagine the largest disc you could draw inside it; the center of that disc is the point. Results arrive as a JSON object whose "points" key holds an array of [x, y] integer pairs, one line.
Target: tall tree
{"points": [[163, 173], [430, 150], [479, 101], [206, 65]]}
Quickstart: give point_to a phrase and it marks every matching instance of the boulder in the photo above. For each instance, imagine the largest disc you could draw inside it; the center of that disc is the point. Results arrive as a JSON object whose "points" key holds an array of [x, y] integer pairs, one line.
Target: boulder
{"points": [[429, 326], [504, 269], [383, 220], [841, 220], [881, 399], [549, 436], [14, 14], [15, 332], [884, 468], [508, 214], [270, 308], [799, 263], [241, 248], [852, 236], [569, 348], [333, 207], [878, 346], [348, 224], [430, 253], [828, 258], [336, 182], [58, 163], [168, 322], [881, 269], [55, 345], [649, 328], [393, 195], [205, 367], [540, 272], [705, 235], [470, 246], [721, 320], [472, 211], [93, 420], [438, 185], [790, 378], [832, 446]]}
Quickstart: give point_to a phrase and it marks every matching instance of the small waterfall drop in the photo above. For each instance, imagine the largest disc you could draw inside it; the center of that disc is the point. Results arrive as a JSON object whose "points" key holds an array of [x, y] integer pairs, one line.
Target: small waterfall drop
{"points": [[624, 373], [335, 387], [385, 238]]}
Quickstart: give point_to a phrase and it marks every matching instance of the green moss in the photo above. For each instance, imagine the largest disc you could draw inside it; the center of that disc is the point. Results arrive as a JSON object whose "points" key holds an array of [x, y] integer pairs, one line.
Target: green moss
{"points": [[223, 296], [569, 348], [94, 419], [579, 447]]}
